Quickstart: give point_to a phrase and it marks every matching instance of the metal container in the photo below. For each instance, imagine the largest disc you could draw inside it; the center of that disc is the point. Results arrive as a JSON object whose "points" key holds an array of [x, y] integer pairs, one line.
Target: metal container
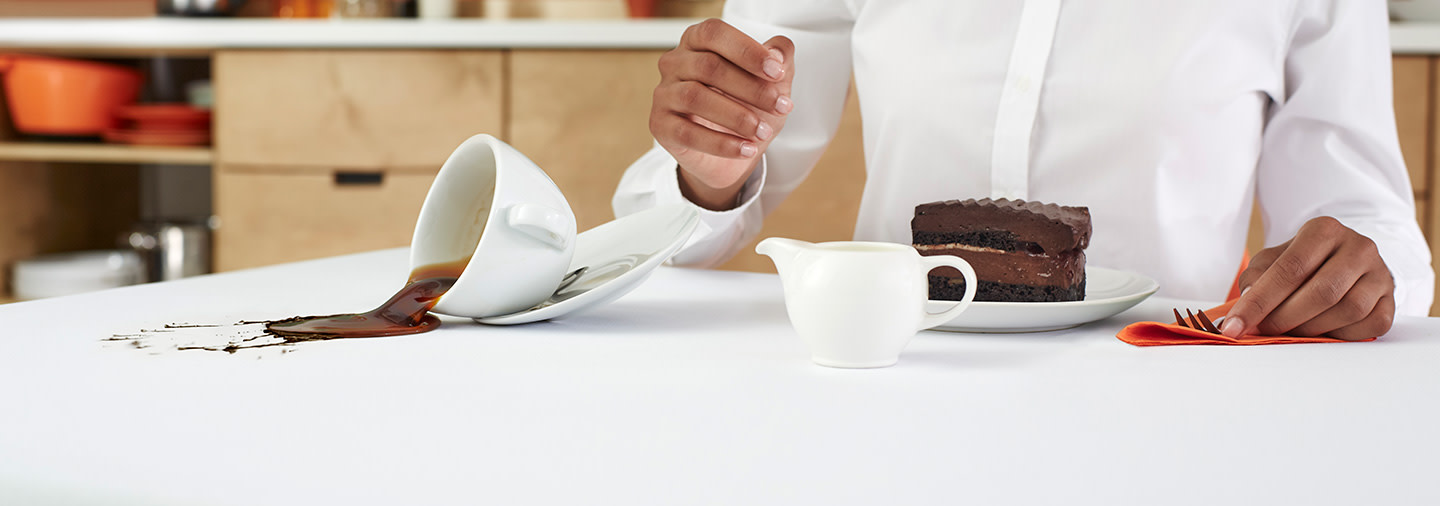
{"points": [[198, 7], [172, 250]]}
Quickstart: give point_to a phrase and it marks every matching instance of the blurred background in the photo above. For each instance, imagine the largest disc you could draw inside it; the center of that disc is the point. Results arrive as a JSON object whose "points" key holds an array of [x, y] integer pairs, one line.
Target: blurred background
{"points": [[147, 140]]}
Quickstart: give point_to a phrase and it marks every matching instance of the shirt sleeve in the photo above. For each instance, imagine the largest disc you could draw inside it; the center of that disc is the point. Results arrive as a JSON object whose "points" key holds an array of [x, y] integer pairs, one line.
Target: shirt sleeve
{"points": [[1331, 148], [821, 32]]}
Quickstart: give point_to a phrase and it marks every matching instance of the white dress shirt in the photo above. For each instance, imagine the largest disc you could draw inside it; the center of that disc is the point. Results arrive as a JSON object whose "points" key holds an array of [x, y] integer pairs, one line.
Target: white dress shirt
{"points": [[1166, 118]]}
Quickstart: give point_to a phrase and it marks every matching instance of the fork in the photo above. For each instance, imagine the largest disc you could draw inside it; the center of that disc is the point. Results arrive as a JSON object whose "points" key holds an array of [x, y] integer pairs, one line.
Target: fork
{"points": [[1202, 323]]}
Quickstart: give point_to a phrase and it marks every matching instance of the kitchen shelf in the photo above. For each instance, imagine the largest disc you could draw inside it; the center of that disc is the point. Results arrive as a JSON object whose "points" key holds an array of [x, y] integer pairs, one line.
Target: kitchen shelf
{"points": [[104, 153]]}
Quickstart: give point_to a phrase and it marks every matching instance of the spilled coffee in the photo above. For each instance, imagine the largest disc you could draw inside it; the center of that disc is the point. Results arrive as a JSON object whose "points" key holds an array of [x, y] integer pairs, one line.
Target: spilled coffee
{"points": [[407, 312]]}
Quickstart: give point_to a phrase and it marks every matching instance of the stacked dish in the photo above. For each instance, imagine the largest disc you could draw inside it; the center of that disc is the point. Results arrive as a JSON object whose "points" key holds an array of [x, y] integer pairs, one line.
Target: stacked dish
{"points": [[161, 125]]}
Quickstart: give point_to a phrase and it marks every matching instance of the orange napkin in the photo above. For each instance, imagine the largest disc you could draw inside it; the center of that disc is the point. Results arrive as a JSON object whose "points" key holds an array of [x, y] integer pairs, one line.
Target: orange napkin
{"points": [[1161, 334]]}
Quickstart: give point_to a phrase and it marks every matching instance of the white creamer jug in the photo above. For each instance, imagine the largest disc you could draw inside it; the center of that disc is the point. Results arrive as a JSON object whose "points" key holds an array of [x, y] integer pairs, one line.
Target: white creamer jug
{"points": [[857, 304]]}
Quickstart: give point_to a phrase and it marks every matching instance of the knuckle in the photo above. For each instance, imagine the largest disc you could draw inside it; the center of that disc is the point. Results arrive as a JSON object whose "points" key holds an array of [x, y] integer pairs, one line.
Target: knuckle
{"points": [[765, 95], [1367, 246], [708, 67], [1329, 292], [1291, 269], [1352, 309], [1266, 256], [754, 53], [1383, 322], [690, 95], [707, 30], [667, 62], [1325, 225]]}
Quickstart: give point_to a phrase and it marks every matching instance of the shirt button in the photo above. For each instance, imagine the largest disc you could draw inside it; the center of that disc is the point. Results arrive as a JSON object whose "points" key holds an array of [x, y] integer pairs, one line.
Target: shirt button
{"points": [[1022, 84]]}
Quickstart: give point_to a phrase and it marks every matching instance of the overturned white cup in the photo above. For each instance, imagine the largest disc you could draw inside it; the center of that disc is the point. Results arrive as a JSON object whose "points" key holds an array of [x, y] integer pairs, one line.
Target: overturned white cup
{"points": [[491, 204]]}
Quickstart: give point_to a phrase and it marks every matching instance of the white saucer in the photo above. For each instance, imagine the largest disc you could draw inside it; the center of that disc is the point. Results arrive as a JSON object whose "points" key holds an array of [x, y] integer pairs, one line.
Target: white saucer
{"points": [[616, 257], [1107, 293]]}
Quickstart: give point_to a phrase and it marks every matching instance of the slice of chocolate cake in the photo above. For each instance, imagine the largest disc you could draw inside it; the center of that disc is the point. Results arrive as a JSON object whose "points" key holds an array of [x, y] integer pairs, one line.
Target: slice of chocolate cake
{"points": [[1021, 251]]}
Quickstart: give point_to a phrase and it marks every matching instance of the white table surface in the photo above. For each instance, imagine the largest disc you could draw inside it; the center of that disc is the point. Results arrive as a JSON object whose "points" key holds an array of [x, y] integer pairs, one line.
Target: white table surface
{"points": [[692, 390]]}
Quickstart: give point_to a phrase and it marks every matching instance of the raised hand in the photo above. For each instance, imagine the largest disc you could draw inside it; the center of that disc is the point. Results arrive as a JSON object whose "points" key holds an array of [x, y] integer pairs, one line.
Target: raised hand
{"points": [[721, 100]]}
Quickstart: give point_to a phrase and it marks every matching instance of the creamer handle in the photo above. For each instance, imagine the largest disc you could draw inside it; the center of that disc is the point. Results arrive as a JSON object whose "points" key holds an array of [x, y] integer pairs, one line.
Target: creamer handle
{"points": [[931, 262]]}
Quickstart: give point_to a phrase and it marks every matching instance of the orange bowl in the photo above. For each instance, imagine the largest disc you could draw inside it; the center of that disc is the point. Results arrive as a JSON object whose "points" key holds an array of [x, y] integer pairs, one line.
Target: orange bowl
{"points": [[52, 96]]}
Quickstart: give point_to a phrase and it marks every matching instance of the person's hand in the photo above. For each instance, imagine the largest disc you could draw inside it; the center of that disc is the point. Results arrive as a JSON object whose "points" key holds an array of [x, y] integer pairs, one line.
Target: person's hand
{"points": [[1326, 281], [722, 98]]}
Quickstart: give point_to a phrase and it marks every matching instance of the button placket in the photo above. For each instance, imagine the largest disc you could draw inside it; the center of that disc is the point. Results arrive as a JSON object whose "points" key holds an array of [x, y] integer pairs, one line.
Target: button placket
{"points": [[1020, 99]]}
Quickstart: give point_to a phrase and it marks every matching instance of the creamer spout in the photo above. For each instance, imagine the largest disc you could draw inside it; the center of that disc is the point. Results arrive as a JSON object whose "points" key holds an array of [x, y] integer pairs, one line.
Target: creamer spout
{"points": [[782, 251]]}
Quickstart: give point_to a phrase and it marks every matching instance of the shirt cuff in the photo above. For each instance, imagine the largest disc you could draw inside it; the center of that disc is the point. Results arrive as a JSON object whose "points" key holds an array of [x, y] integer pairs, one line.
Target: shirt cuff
{"points": [[715, 235]]}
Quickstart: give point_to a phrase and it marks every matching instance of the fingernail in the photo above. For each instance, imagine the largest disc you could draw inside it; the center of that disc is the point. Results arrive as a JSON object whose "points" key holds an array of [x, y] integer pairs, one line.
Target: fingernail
{"points": [[774, 68], [777, 55], [1232, 327], [747, 149], [783, 105], [764, 131]]}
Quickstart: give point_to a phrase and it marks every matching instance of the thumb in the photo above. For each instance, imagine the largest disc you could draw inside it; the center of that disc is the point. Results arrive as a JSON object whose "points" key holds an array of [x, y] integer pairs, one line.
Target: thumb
{"points": [[783, 49]]}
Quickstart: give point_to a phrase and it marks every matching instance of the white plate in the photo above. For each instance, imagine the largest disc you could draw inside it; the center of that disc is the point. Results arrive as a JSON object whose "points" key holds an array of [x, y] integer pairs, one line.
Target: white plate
{"points": [[1107, 293], [616, 257]]}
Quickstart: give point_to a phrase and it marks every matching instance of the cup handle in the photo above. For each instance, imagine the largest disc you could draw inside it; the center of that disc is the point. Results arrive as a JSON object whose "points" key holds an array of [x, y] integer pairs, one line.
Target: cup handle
{"points": [[542, 223], [931, 262]]}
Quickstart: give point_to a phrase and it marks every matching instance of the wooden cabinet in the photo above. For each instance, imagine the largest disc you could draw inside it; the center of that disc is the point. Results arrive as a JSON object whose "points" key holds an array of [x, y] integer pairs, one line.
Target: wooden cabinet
{"points": [[353, 109], [322, 153], [282, 214], [1415, 122], [1413, 103], [583, 117]]}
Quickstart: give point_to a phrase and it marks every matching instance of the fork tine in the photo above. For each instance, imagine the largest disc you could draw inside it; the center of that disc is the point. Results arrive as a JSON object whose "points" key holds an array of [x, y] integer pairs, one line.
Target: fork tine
{"points": [[1178, 320], [1209, 325], [1194, 324]]}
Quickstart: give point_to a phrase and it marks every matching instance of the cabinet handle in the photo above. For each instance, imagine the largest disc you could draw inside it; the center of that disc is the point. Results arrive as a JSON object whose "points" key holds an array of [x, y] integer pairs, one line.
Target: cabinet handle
{"points": [[343, 178]]}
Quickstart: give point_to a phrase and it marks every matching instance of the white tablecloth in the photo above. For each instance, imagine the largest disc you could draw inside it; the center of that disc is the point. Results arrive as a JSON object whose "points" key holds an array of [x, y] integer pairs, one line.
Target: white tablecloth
{"points": [[692, 390]]}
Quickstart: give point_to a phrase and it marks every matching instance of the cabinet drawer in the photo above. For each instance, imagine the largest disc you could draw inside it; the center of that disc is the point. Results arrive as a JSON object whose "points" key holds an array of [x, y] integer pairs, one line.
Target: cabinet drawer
{"points": [[362, 109], [287, 214]]}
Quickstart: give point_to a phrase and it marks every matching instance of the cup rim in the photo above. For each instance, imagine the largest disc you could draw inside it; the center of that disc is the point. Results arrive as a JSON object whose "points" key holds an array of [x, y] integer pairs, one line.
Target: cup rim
{"points": [[452, 163]]}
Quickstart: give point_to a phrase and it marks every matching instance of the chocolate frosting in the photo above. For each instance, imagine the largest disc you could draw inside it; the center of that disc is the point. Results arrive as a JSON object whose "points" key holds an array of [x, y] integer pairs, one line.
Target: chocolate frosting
{"points": [[1054, 228]]}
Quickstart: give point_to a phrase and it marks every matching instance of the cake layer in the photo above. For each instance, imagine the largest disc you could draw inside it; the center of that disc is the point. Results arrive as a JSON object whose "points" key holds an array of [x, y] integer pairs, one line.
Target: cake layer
{"points": [[1051, 227], [1002, 240], [1064, 269], [943, 288]]}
